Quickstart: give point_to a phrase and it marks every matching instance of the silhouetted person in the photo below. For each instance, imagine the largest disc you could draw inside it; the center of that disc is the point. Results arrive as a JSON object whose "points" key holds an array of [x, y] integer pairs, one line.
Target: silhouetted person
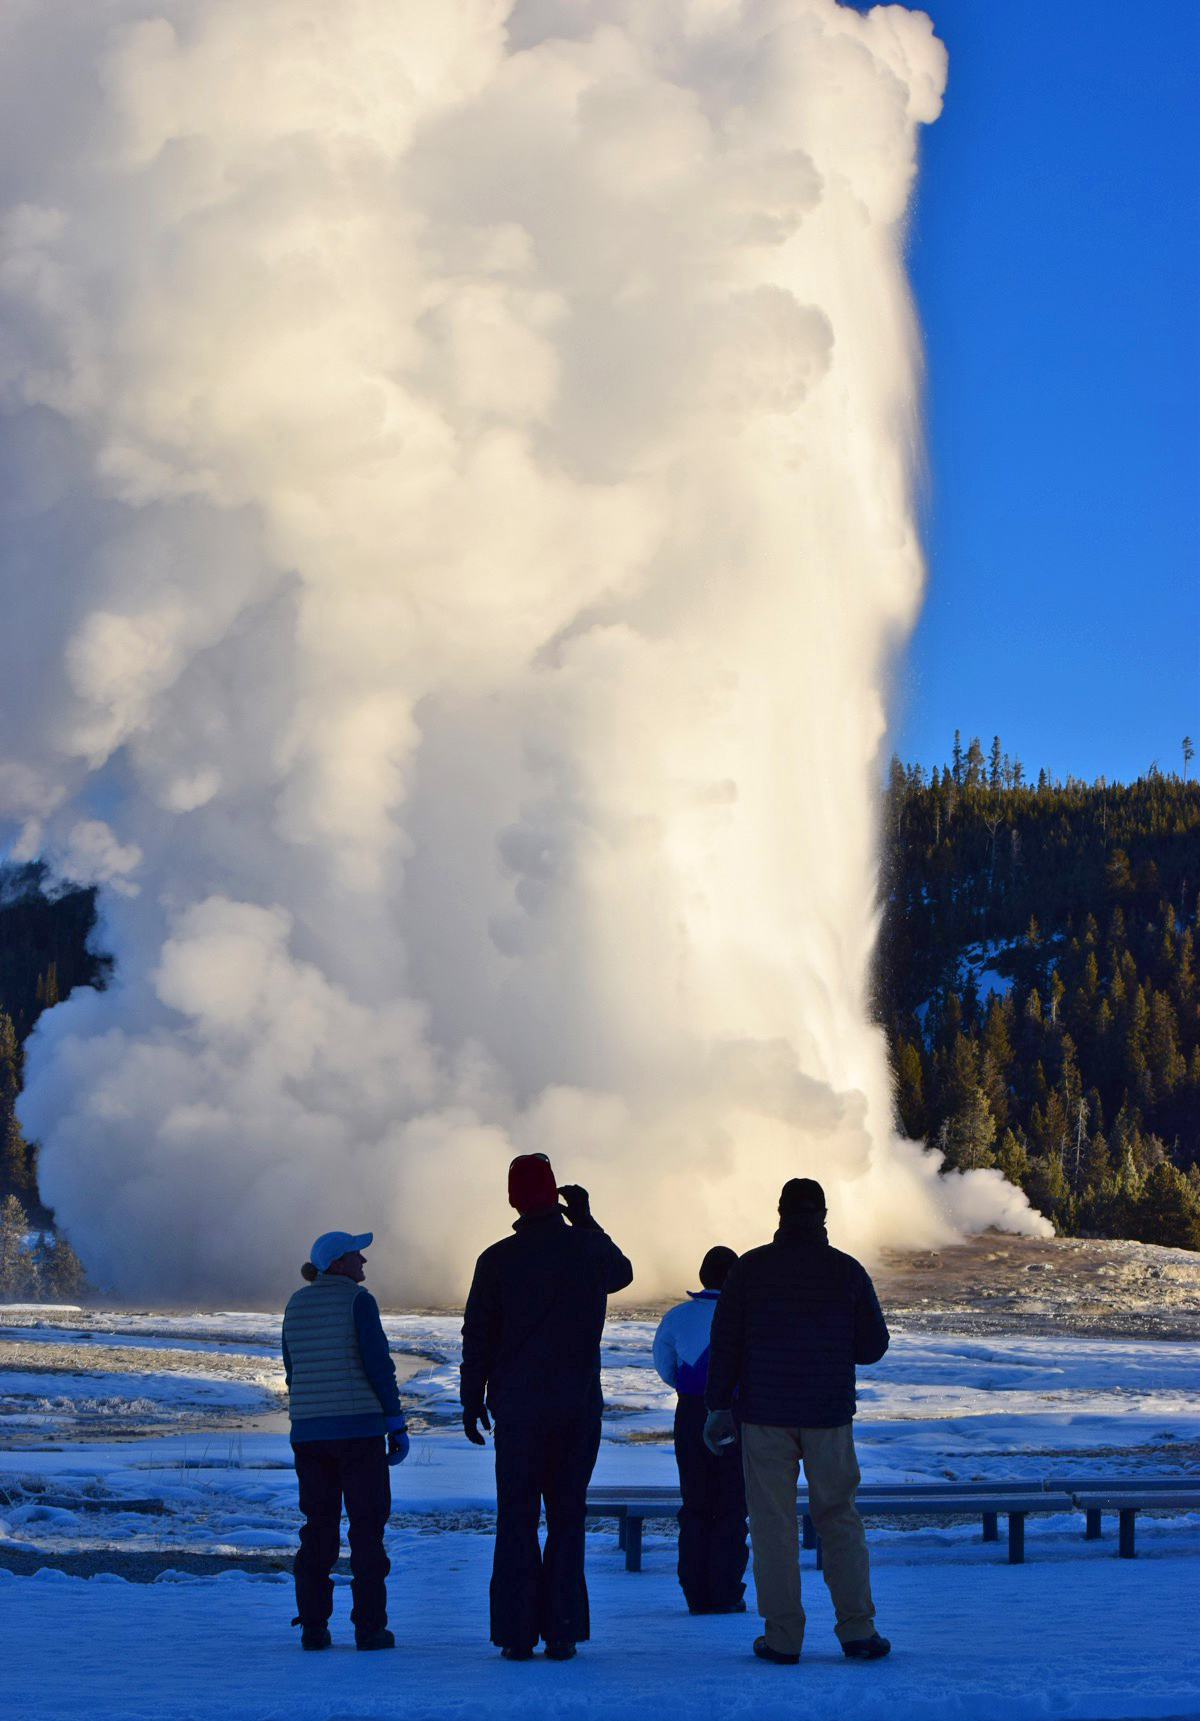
{"points": [[792, 1320], [712, 1517], [347, 1427], [531, 1355]]}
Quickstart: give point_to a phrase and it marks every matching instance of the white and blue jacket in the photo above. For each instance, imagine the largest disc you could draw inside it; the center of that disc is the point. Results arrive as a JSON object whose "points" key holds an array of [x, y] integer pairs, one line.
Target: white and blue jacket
{"points": [[681, 1343]]}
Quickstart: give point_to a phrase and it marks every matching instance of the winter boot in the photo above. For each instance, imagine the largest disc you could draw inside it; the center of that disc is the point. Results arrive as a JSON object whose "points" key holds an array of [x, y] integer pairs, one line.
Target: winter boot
{"points": [[781, 1657], [315, 1637], [871, 1648], [559, 1651], [381, 1639], [515, 1652]]}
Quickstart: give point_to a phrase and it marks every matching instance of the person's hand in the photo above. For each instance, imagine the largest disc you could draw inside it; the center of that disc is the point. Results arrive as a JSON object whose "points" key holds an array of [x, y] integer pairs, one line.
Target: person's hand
{"points": [[473, 1415], [575, 1201], [397, 1445], [720, 1432]]}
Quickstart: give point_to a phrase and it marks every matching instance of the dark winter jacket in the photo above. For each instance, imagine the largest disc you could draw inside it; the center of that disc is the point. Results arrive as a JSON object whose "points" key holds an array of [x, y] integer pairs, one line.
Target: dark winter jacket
{"points": [[792, 1320], [534, 1316]]}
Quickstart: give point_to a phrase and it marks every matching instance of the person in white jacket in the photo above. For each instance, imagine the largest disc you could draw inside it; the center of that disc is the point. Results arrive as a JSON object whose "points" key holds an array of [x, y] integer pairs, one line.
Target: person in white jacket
{"points": [[712, 1519]]}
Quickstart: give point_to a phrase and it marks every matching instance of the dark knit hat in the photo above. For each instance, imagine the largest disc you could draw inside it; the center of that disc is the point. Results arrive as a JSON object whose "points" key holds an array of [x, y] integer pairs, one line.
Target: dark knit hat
{"points": [[716, 1265], [531, 1184], [801, 1194]]}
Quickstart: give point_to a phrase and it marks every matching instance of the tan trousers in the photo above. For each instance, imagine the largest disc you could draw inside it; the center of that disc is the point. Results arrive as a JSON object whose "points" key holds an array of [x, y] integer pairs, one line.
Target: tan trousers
{"points": [[772, 1459]]}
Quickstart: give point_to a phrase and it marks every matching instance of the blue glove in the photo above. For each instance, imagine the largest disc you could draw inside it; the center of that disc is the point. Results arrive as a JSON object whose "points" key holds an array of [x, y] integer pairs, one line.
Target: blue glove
{"points": [[398, 1441]]}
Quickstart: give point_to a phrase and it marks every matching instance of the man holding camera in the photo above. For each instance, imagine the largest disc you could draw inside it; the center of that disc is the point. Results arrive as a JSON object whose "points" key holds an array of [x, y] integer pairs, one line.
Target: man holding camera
{"points": [[531, 1357]]}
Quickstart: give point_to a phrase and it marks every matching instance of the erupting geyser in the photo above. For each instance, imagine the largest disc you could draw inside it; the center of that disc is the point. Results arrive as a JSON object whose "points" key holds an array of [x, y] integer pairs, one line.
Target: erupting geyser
{"points": [[456, 518]]}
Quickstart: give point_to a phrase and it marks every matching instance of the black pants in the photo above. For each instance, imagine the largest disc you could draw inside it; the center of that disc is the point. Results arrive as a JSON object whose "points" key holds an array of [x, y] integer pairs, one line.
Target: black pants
{"points": [[538, 1593], [712, 1520], [330, 1471]]}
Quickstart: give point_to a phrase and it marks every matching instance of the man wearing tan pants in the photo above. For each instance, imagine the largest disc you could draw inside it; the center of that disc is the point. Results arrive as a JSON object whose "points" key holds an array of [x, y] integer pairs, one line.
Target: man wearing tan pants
{"points": [[792, 1321]]}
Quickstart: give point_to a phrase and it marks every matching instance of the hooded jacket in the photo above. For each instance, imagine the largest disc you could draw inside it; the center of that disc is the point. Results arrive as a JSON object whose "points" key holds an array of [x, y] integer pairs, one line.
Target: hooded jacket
{"points": [[793, 1319]]}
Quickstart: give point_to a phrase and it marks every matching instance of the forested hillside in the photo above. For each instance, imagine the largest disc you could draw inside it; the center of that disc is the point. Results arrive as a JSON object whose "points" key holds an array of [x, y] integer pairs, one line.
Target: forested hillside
{"points": [[1037, 980]]}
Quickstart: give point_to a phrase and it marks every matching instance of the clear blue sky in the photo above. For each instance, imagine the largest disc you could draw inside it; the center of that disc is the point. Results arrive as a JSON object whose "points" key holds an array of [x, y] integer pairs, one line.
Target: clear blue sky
{"points": [[1055, 255]]}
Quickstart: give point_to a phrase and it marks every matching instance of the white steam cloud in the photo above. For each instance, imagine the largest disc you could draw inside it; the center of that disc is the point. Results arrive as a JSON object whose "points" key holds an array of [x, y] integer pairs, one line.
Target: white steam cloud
{"points": [[455, 467]]}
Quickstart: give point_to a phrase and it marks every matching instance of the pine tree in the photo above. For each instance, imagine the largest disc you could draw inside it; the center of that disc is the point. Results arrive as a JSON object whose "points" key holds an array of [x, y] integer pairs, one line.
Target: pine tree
{"points": [[974, 776], [995, 1087], [1012, 1159], [16, 1162], [14, 1158], [1168, 1212], [1106, 1209], [969, 1134], [1183, 981], [998, 1031], [1118, 875], [910, 1095], [18, 1267], [1137, 1034], [1097, 1164], [60, 1271], [1046, 1186], [10, 1063], [1167, 1066], [1091, 976], [1050, 1129], [963, 1075]]}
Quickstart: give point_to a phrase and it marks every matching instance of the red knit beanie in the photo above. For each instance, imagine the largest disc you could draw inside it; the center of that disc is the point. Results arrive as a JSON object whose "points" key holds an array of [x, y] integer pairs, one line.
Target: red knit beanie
{"points": [[531, 1185]]}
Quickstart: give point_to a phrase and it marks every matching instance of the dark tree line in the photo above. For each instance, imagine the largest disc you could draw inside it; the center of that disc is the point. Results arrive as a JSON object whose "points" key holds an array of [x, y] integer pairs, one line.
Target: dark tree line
{"points": [[44, 953], [1037, 980]]}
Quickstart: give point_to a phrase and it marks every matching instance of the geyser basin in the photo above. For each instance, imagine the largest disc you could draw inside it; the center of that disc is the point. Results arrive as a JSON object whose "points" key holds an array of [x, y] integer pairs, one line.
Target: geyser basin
{"points": [[464, 518]]}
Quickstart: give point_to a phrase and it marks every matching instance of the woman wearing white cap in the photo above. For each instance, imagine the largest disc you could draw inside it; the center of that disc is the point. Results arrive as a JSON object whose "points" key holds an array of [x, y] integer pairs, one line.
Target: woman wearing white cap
{"points": [[347, 1426]]}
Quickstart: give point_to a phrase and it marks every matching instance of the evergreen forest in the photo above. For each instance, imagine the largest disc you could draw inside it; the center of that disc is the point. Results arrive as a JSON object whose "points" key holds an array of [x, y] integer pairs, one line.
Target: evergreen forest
{"points": [[1036, 978]]}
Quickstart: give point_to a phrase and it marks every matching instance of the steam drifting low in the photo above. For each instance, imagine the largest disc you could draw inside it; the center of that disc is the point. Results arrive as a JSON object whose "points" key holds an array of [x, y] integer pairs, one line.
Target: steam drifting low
{"points": [[456, 467]]}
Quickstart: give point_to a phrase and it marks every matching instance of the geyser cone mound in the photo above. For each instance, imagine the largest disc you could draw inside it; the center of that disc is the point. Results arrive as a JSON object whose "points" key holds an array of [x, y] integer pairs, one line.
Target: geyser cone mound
{"points": [[464, 515]]}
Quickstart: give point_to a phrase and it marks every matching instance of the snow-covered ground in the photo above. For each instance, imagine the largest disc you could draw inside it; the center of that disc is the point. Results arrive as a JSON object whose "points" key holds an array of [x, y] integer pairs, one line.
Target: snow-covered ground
{"points": [[988, 1642], [1072, 1633]]}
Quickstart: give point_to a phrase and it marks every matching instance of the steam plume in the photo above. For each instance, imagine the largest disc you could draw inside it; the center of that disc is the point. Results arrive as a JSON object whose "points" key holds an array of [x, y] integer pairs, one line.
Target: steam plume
{"points": [[456, 467]]}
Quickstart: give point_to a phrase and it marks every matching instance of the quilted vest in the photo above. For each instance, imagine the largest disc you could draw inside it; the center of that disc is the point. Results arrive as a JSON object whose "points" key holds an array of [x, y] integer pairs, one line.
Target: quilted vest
{"points": [[328, 1378]]}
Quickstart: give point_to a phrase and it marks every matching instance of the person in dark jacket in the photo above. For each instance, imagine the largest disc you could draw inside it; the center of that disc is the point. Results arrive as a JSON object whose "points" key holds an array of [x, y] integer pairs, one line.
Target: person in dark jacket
{"points": [[712, 1516], [531, 1356], [793, 1319], [347, 1427]]}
